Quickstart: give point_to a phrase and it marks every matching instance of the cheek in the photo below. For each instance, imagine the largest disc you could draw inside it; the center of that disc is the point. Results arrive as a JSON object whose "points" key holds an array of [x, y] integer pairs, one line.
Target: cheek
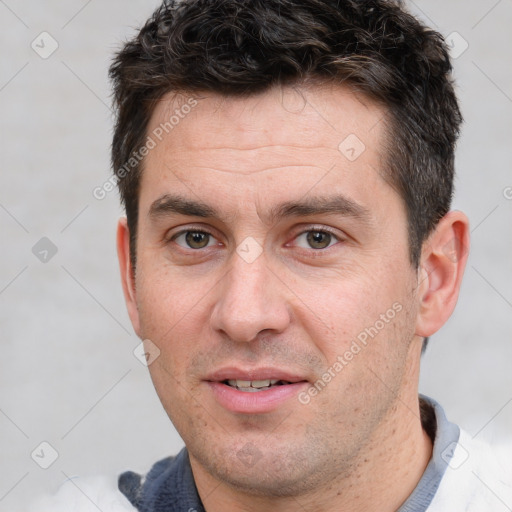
{"points": [[370, 308], [167, 296], [173, 315]]}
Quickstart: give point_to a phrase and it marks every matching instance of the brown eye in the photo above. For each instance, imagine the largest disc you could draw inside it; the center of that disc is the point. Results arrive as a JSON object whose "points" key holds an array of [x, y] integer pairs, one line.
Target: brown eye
{"points": [[194, 239], [318, 239], [197, 239]]}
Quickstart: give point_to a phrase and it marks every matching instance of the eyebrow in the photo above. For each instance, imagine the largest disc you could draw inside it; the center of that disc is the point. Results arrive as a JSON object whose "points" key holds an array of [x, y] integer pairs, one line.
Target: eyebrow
{"points": [[170, 204], [332, 205]]}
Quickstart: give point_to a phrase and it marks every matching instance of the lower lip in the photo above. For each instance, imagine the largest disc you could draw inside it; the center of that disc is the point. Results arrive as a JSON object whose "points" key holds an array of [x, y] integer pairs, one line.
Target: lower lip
{"points": [[255, 402]]}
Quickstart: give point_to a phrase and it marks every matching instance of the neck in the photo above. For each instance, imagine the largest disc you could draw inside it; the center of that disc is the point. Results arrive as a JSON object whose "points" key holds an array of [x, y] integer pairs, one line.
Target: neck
{"points": [[386, 472]]}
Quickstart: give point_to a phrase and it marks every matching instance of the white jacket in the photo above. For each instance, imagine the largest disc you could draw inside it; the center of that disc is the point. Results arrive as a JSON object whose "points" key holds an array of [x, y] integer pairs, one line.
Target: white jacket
{"points": [[478, 479]]}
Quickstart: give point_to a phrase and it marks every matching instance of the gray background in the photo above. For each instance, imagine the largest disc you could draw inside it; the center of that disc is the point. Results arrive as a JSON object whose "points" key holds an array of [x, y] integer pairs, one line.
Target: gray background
{"points": [[68, 374]]}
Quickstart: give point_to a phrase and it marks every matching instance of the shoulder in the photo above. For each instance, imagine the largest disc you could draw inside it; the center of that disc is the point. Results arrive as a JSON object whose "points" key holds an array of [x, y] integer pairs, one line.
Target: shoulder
{"points": [[478, 477], [83, 495], [168, 482], [169, 486], [138, 487]]}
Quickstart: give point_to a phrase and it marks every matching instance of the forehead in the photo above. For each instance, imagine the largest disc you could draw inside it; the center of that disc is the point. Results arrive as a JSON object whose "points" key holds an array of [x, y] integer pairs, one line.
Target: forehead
{"points": [[306, 117], [283, 142]]}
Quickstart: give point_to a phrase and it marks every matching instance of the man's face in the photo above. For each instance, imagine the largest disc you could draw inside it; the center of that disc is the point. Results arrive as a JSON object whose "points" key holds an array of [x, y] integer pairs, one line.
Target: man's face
{"points": [[269, 247]]}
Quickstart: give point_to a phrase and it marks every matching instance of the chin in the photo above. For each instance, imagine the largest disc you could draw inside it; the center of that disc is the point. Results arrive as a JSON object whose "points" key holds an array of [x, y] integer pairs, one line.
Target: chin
{"points": [[262, 469]]}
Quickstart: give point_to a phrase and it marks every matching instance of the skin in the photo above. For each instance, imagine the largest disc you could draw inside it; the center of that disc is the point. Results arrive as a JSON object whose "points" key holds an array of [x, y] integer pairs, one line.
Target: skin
{"points": [[294, 307]]}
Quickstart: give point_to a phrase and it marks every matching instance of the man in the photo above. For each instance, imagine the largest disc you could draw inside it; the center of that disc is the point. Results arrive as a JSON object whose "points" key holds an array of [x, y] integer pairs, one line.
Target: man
{"points": [[286, 169]]}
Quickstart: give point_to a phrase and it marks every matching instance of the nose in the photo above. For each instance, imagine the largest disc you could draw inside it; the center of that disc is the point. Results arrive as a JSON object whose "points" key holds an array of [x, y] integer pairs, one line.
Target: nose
{"points": [[251, 300]]}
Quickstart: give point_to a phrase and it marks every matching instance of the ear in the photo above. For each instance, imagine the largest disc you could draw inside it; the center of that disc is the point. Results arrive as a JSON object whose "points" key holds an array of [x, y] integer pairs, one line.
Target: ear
{"points": [[127, 273], [442, 264]]}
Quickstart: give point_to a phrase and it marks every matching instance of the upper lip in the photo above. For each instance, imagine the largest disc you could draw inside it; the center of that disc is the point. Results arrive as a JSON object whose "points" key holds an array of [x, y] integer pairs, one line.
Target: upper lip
{"points": [[233, 373]]}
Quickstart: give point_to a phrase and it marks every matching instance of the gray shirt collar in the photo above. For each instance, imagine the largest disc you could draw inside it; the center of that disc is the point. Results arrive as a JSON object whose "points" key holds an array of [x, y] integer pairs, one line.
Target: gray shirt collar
{"points": [[446, 436]]}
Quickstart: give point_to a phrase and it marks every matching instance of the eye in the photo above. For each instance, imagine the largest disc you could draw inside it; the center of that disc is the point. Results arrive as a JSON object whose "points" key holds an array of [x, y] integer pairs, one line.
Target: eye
{"points": [[316, 239], [194, 239]]}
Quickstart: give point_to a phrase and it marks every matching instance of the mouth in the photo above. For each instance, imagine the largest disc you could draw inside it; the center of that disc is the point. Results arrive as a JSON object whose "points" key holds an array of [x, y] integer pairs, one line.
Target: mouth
{"points": [[254, 391], [254, 386]]}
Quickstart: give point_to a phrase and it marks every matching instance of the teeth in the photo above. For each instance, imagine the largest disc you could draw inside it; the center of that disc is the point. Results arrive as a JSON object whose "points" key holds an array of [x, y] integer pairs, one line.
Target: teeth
{"points": [[252, 385], [263, 383]]}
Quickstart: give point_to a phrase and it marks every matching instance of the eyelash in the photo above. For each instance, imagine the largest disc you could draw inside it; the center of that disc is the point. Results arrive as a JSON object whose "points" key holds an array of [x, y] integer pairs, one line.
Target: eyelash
{"points": [[314, 229]]}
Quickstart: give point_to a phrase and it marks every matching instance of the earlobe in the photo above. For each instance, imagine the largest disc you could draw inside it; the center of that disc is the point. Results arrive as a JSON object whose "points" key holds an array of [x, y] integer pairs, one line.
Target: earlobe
{"points": [[442, 266], [127, 273]]}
